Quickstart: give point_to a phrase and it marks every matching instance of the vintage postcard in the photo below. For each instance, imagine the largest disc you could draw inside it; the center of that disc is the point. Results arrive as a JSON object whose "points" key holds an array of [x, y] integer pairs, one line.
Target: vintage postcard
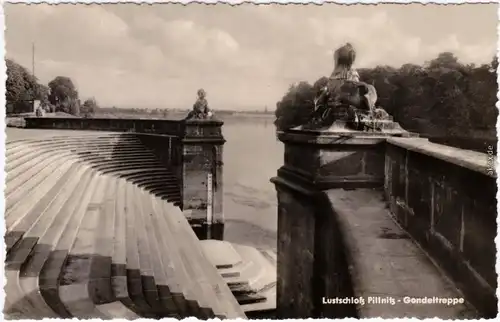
{"points": [[250, 161]]}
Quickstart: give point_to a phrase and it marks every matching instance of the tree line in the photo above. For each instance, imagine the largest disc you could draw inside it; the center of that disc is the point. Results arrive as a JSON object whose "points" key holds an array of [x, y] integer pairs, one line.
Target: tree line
{"points": [[442, 97], [59, 95]]}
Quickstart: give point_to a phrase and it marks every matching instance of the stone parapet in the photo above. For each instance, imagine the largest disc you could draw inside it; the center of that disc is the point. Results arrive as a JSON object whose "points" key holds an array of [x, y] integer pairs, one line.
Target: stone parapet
{"points": [[311, 250], [192, 150], [202, 155], [156, 126], [335, 159], [445, 198]]}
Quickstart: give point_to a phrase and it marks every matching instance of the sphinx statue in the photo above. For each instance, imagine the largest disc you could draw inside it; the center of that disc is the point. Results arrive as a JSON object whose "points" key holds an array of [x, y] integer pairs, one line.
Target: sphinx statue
{"points": [[200, 108], [345, 97]]}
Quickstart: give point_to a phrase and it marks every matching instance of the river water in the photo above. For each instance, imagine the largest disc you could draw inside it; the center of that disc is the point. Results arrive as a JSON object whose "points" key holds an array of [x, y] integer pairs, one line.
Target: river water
{"points": [[252, 155]]}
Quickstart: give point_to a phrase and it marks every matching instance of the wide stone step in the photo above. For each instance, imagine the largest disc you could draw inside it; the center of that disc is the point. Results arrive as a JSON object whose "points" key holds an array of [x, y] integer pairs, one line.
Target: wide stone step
{"points": [[250, 273], [24, 200], [91, 234], [88, 142], [38, 167]]}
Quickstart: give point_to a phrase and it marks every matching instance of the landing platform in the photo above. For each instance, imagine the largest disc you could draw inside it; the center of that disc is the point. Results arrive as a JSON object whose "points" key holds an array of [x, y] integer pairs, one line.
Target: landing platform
{"points": [[386, 263]]}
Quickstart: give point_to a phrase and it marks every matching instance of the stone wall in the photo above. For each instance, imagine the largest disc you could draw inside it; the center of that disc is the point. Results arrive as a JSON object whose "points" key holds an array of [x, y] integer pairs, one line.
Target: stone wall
{"points": [[191, 149], [335, 160], [443, 196], [312, 258], [202, 155], [156, 126], [312, 263], [446, 199]]}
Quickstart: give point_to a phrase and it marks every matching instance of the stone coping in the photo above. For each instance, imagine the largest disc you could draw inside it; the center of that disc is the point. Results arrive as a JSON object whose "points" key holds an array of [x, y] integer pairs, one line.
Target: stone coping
{"points": [[211, 121], [386, 264], [472, 160], [182, 128], [329, 137]]}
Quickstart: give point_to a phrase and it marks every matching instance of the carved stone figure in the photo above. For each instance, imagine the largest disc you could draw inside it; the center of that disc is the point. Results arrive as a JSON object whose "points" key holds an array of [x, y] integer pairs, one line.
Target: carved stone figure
{"points": [[200, 108], [344, 97], [39, 112]]}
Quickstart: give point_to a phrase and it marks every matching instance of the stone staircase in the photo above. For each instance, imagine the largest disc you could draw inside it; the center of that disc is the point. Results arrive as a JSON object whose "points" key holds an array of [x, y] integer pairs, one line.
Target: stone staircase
{"points": [[93, 231], [249, 272]]}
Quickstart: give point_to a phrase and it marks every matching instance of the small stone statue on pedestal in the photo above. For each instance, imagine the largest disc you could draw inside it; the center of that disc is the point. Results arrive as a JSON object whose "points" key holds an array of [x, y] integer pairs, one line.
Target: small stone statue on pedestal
{"points": [[200, 108]]}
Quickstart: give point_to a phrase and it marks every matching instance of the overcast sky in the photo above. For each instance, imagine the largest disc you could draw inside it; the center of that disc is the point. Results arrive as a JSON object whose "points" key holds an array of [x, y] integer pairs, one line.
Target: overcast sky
{"points": [[243, 56]]}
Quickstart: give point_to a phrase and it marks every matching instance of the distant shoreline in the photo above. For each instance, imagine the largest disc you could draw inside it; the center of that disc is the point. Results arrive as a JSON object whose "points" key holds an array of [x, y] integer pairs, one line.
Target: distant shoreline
{"points": [[177, 115]]}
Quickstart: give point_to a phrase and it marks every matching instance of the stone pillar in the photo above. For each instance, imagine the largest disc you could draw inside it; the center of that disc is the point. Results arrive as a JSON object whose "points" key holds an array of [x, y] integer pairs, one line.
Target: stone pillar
{"points": [[312, 263], [202, 177]]}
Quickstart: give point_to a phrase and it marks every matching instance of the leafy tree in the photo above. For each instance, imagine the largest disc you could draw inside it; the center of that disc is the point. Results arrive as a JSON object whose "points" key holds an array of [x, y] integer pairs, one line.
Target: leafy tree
{"points": [[89, 107], [296, 106], [443, 97], [62, 93], [74, 107], [21, 87]]}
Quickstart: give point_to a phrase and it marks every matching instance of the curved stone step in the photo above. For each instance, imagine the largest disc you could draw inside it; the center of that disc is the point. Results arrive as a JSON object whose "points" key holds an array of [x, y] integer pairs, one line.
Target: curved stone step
{"points": [[23, 249], [209, 282], [13, 167], [75, 273], [145, 256], [99, 145], [133, 260], [30, 275], [24, 201], [178, 279], [150, 212], [165, 307], [50, 275], [100, 279], [250, 273], [38, 169], [91, 235], [119, 257]]}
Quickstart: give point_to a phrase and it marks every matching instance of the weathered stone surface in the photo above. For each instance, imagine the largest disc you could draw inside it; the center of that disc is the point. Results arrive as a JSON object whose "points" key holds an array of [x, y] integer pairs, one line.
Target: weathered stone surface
{"points": [[445, 198], [157, 126], [446, 203], [190, 149], [249, 272], [98, 237], [332, 159], [386, 263], [203, 157], [295, 257]]}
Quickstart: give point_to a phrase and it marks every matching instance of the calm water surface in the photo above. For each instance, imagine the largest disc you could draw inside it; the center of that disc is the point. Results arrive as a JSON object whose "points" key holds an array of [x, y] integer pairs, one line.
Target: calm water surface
{"points": [[252, 155]]}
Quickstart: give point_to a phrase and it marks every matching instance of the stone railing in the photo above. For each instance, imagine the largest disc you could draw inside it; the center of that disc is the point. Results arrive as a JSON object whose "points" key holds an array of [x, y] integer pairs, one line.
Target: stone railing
{"points": [[191, 149], [445, 198]]}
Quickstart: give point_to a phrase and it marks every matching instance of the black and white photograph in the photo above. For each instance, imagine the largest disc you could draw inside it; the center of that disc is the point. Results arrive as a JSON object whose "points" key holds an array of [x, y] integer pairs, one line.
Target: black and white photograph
{"points": [[250, 161]]}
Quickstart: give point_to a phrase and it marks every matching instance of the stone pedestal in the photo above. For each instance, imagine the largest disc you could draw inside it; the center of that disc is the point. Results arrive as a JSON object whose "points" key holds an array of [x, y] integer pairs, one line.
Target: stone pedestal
{"points": [[312, 265], [202, 177]]}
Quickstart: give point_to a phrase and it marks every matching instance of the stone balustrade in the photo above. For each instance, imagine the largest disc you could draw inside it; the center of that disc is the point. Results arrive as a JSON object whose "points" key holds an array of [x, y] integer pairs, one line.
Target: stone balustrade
{"points": [[360, 213], [445, 198]]}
